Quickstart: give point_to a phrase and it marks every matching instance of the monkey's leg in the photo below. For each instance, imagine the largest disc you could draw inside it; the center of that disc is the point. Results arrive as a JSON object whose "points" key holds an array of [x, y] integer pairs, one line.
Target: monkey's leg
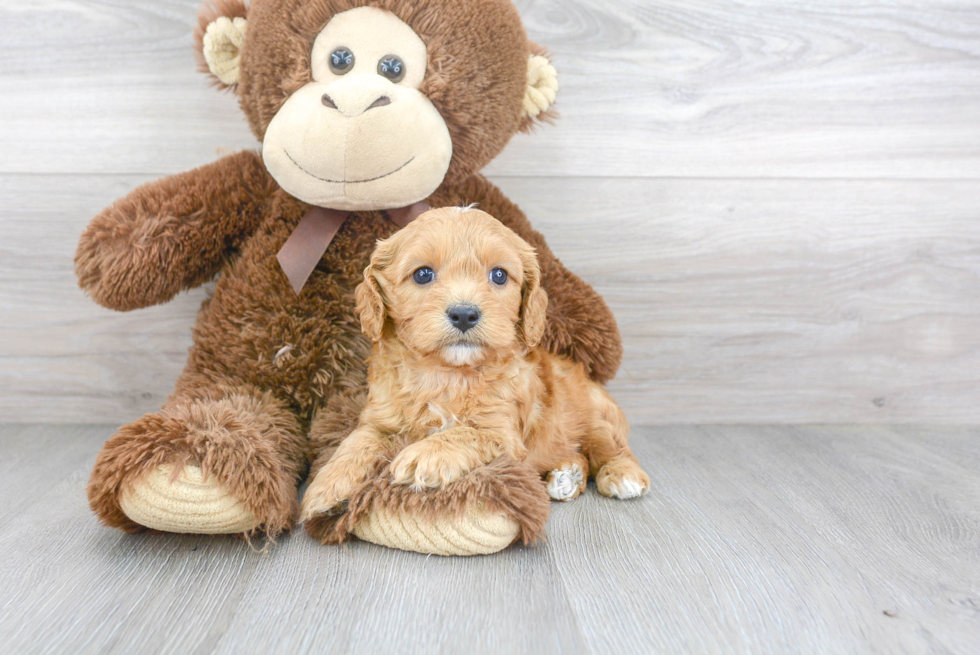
{"points": [[331, 425], [214, 460]]}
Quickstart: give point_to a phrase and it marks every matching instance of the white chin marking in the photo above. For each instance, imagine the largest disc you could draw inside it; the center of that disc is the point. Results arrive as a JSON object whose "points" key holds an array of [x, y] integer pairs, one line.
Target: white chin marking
{"points": [[461, 354], [563, 483], [627, 488]]}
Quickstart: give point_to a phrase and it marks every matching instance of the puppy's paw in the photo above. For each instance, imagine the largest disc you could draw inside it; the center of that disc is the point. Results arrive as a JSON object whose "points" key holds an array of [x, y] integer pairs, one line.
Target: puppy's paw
{"points": [[429, 463], [326, 494], [622, 478], [566, 482]]}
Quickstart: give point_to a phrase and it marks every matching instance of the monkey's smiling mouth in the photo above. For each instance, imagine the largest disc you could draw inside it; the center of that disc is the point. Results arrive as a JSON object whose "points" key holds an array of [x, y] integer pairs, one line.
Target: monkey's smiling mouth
{"points": [[323, 179]]}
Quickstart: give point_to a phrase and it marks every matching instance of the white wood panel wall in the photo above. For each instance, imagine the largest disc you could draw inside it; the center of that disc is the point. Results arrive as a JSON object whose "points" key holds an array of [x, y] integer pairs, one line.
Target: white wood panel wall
{"points": [[780, 200]]}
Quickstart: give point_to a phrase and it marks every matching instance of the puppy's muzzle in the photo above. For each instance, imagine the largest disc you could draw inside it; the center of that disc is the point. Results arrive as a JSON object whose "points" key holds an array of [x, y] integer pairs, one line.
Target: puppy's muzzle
{"points": [[463, 317]]}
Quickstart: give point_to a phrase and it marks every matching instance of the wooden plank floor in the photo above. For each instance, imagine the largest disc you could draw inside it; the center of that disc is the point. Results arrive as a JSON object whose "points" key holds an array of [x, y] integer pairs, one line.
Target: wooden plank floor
{"points": [[754, 539]]}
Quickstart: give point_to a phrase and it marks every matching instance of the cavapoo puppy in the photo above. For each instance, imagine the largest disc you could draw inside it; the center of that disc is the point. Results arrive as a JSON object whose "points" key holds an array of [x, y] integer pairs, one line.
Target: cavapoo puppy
{"points": [[454, 308]]}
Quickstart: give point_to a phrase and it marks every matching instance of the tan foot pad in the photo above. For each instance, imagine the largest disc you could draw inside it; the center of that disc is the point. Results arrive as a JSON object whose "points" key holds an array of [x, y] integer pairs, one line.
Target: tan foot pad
{"points": [[189, 504], [478, 533]]}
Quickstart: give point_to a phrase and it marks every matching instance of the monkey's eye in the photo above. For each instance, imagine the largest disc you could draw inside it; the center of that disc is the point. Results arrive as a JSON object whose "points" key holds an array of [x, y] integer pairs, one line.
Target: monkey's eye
{"points": [[341, 61], [392, 67], [423, 275], [498, 276]]}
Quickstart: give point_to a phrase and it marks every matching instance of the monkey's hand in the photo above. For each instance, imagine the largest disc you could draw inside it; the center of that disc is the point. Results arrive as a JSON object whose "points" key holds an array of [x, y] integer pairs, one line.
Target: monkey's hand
{"points": [[172, 234]]}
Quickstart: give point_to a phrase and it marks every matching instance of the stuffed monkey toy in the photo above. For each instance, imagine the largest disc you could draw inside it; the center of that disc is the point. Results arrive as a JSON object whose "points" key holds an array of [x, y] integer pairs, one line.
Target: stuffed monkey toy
{"points": [[367, 111]]}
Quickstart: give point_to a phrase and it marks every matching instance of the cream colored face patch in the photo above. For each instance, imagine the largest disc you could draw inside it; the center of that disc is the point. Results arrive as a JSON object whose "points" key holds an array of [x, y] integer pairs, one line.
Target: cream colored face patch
{"points": [[370, 35], [360, 136]]}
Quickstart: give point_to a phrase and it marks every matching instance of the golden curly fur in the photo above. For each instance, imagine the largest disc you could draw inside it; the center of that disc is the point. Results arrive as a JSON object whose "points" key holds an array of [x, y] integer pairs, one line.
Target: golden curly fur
{"points": [[464, 398]]}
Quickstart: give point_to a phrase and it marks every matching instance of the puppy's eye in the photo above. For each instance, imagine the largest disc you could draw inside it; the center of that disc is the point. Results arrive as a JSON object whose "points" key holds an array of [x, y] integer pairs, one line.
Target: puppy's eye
{"points": [[498, 276], [392, 67], [341, 61], [423, 275]]}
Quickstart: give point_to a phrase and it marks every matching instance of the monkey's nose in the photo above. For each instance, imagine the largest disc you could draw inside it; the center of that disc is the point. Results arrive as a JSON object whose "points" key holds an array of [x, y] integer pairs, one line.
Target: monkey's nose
{"points": [[463, 317], [380, 102], [332, 104]]}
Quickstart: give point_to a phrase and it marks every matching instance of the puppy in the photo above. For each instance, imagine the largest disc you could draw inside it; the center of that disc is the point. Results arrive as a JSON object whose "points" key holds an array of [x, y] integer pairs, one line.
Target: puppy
{"points": [[455, 310]]}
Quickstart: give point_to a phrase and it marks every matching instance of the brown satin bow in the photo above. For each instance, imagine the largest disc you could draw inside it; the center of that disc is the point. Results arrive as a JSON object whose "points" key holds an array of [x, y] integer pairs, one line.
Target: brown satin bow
{"points": [[305, 246]]}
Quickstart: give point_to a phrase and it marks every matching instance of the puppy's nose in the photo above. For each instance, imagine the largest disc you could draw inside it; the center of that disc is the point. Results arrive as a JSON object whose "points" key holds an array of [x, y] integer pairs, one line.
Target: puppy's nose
{"points": [[463, 317]]}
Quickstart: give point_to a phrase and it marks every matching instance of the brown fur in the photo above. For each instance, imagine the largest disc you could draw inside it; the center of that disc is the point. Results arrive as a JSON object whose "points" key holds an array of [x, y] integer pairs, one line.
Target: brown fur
{"points": [[230, 217], [503, 486], [476, 76], [245, 438], [173, 234], [503, 397]]}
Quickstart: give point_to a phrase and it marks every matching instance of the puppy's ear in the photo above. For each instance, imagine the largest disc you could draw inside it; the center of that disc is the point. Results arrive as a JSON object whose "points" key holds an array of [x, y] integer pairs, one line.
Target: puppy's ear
{"points": [[369, 301], [534, 300], [370, 307]]}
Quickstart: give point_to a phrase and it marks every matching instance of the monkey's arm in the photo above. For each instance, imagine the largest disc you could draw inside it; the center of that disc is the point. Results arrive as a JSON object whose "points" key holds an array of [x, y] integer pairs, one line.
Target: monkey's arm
{"points": [[580, 324], [172, 234]]}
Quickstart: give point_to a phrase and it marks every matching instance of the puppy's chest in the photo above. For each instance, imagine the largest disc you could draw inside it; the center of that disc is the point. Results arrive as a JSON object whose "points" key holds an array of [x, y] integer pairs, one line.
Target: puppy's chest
{"points": [[435, 417], [435, 412], [459, 405]]}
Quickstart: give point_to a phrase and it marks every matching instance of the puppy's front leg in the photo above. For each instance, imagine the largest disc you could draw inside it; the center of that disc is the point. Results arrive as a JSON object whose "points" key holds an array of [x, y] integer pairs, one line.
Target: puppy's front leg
{"points": [[348, 468], [446, 456]]}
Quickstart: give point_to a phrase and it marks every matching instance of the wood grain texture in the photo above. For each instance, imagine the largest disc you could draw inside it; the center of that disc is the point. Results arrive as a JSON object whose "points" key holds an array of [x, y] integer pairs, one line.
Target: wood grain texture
{"points": [[649, 87], [739, 300], [753, 539], [805, 534]]}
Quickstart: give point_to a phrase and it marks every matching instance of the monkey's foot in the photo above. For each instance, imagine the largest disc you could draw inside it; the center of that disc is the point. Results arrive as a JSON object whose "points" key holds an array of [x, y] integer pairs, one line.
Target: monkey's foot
{"points": [[186, 503]]}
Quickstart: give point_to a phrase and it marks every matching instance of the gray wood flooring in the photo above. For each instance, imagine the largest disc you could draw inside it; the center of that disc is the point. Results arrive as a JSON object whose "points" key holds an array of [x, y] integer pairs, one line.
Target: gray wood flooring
{"points": [[753, 540]]}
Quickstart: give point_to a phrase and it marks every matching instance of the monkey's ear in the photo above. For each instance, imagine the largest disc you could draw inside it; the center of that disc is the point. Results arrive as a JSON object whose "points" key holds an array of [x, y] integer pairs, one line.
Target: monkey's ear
{"points": [[541, 90], [218, 40]]}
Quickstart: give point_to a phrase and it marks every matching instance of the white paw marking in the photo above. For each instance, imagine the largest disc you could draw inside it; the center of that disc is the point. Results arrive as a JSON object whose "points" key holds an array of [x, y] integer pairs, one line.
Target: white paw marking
{"points": [[627, 488], [563, 483]]}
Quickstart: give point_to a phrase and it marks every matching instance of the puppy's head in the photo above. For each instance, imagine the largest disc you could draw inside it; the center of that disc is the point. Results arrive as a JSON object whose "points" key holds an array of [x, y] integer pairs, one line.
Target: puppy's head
{"points": [[456, 284]]}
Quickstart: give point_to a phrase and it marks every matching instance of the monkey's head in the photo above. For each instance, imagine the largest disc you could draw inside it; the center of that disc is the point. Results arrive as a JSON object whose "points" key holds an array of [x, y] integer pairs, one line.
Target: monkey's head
{"points": [[373, 104]]}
